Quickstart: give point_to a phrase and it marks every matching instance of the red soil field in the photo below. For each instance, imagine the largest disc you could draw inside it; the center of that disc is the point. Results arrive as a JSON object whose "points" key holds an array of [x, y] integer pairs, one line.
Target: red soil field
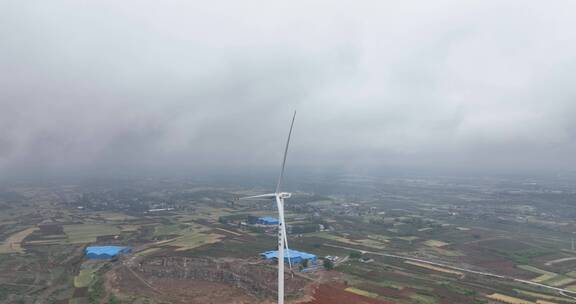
{"points": [[335, 294]]}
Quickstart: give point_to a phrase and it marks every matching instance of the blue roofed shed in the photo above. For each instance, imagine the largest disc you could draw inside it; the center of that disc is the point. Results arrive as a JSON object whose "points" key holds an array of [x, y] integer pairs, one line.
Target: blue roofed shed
{"points": [[296, 257], [267, 220], [105, 252]]}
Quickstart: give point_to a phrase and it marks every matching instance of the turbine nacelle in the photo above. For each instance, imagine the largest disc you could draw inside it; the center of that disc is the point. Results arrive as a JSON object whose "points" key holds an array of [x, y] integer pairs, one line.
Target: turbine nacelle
{"points": [[269, 196], [284, 195]]}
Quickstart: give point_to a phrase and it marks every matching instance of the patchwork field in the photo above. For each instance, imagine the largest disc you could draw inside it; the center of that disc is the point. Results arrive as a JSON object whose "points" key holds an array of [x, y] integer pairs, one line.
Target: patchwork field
{"points": [[369, 236], [435, 268], [507, 299], [543, 296], [369, 242], [338, 294]]}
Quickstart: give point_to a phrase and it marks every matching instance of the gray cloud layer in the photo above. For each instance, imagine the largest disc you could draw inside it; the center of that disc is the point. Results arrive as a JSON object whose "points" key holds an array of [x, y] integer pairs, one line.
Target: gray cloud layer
{"points": [[168, 84]]}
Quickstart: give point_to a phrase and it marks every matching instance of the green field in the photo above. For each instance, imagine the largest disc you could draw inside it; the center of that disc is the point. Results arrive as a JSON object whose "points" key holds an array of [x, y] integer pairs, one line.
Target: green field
{"points": [[371, 243], [84, 278], [447, 253], [435, 243], [194, 240], [423, 299], [87, 233], [173, 229], [535, 270], [559, 281], [362, 292], [187, 235]]}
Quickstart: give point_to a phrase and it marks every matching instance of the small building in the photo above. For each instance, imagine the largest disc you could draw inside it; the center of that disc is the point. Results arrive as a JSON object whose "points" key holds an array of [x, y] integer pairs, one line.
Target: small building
{"points": [[267, 220], [296, 257], [105, 252]]}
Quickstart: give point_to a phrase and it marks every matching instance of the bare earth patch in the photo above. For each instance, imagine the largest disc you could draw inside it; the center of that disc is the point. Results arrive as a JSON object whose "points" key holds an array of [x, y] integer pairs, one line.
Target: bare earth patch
{"points": [[171, 290], [14, 242]]}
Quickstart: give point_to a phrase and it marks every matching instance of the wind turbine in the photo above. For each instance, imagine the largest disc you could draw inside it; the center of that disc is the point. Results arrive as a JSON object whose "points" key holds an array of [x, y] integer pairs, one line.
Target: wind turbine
{"points": [[279, 196]]}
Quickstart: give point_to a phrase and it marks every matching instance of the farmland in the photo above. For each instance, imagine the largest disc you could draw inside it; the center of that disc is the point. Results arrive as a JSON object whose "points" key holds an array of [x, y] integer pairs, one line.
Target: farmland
{"points": [[435, 268], [405, 243], [84, 278], [88, 233]]}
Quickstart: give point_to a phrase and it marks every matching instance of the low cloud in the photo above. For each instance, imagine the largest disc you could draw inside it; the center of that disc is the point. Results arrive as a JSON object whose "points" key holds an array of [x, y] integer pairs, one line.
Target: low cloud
{"points": [[88, 86]]}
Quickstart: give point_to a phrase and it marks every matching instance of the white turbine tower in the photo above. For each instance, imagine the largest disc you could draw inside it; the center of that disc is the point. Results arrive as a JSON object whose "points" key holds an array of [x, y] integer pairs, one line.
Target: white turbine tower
{"points": [[282, 238]]}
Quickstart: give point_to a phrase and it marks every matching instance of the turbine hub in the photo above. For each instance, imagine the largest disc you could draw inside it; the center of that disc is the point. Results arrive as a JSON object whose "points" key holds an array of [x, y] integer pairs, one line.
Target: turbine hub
{"points": [[284, 195]]}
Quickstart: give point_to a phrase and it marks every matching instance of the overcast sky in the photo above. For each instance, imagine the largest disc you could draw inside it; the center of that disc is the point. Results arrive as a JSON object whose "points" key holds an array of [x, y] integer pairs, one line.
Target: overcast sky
{"points": [[129, 84]]}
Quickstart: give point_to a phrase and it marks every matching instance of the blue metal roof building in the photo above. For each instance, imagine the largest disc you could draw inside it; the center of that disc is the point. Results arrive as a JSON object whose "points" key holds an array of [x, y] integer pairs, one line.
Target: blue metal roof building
{"points": [[267, 220], [296, 257], [105, 252]]}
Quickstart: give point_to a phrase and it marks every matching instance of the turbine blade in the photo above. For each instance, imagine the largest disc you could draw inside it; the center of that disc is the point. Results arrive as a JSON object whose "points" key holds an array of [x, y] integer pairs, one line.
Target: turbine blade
{"points": [[261, 196], [285, 154]]}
